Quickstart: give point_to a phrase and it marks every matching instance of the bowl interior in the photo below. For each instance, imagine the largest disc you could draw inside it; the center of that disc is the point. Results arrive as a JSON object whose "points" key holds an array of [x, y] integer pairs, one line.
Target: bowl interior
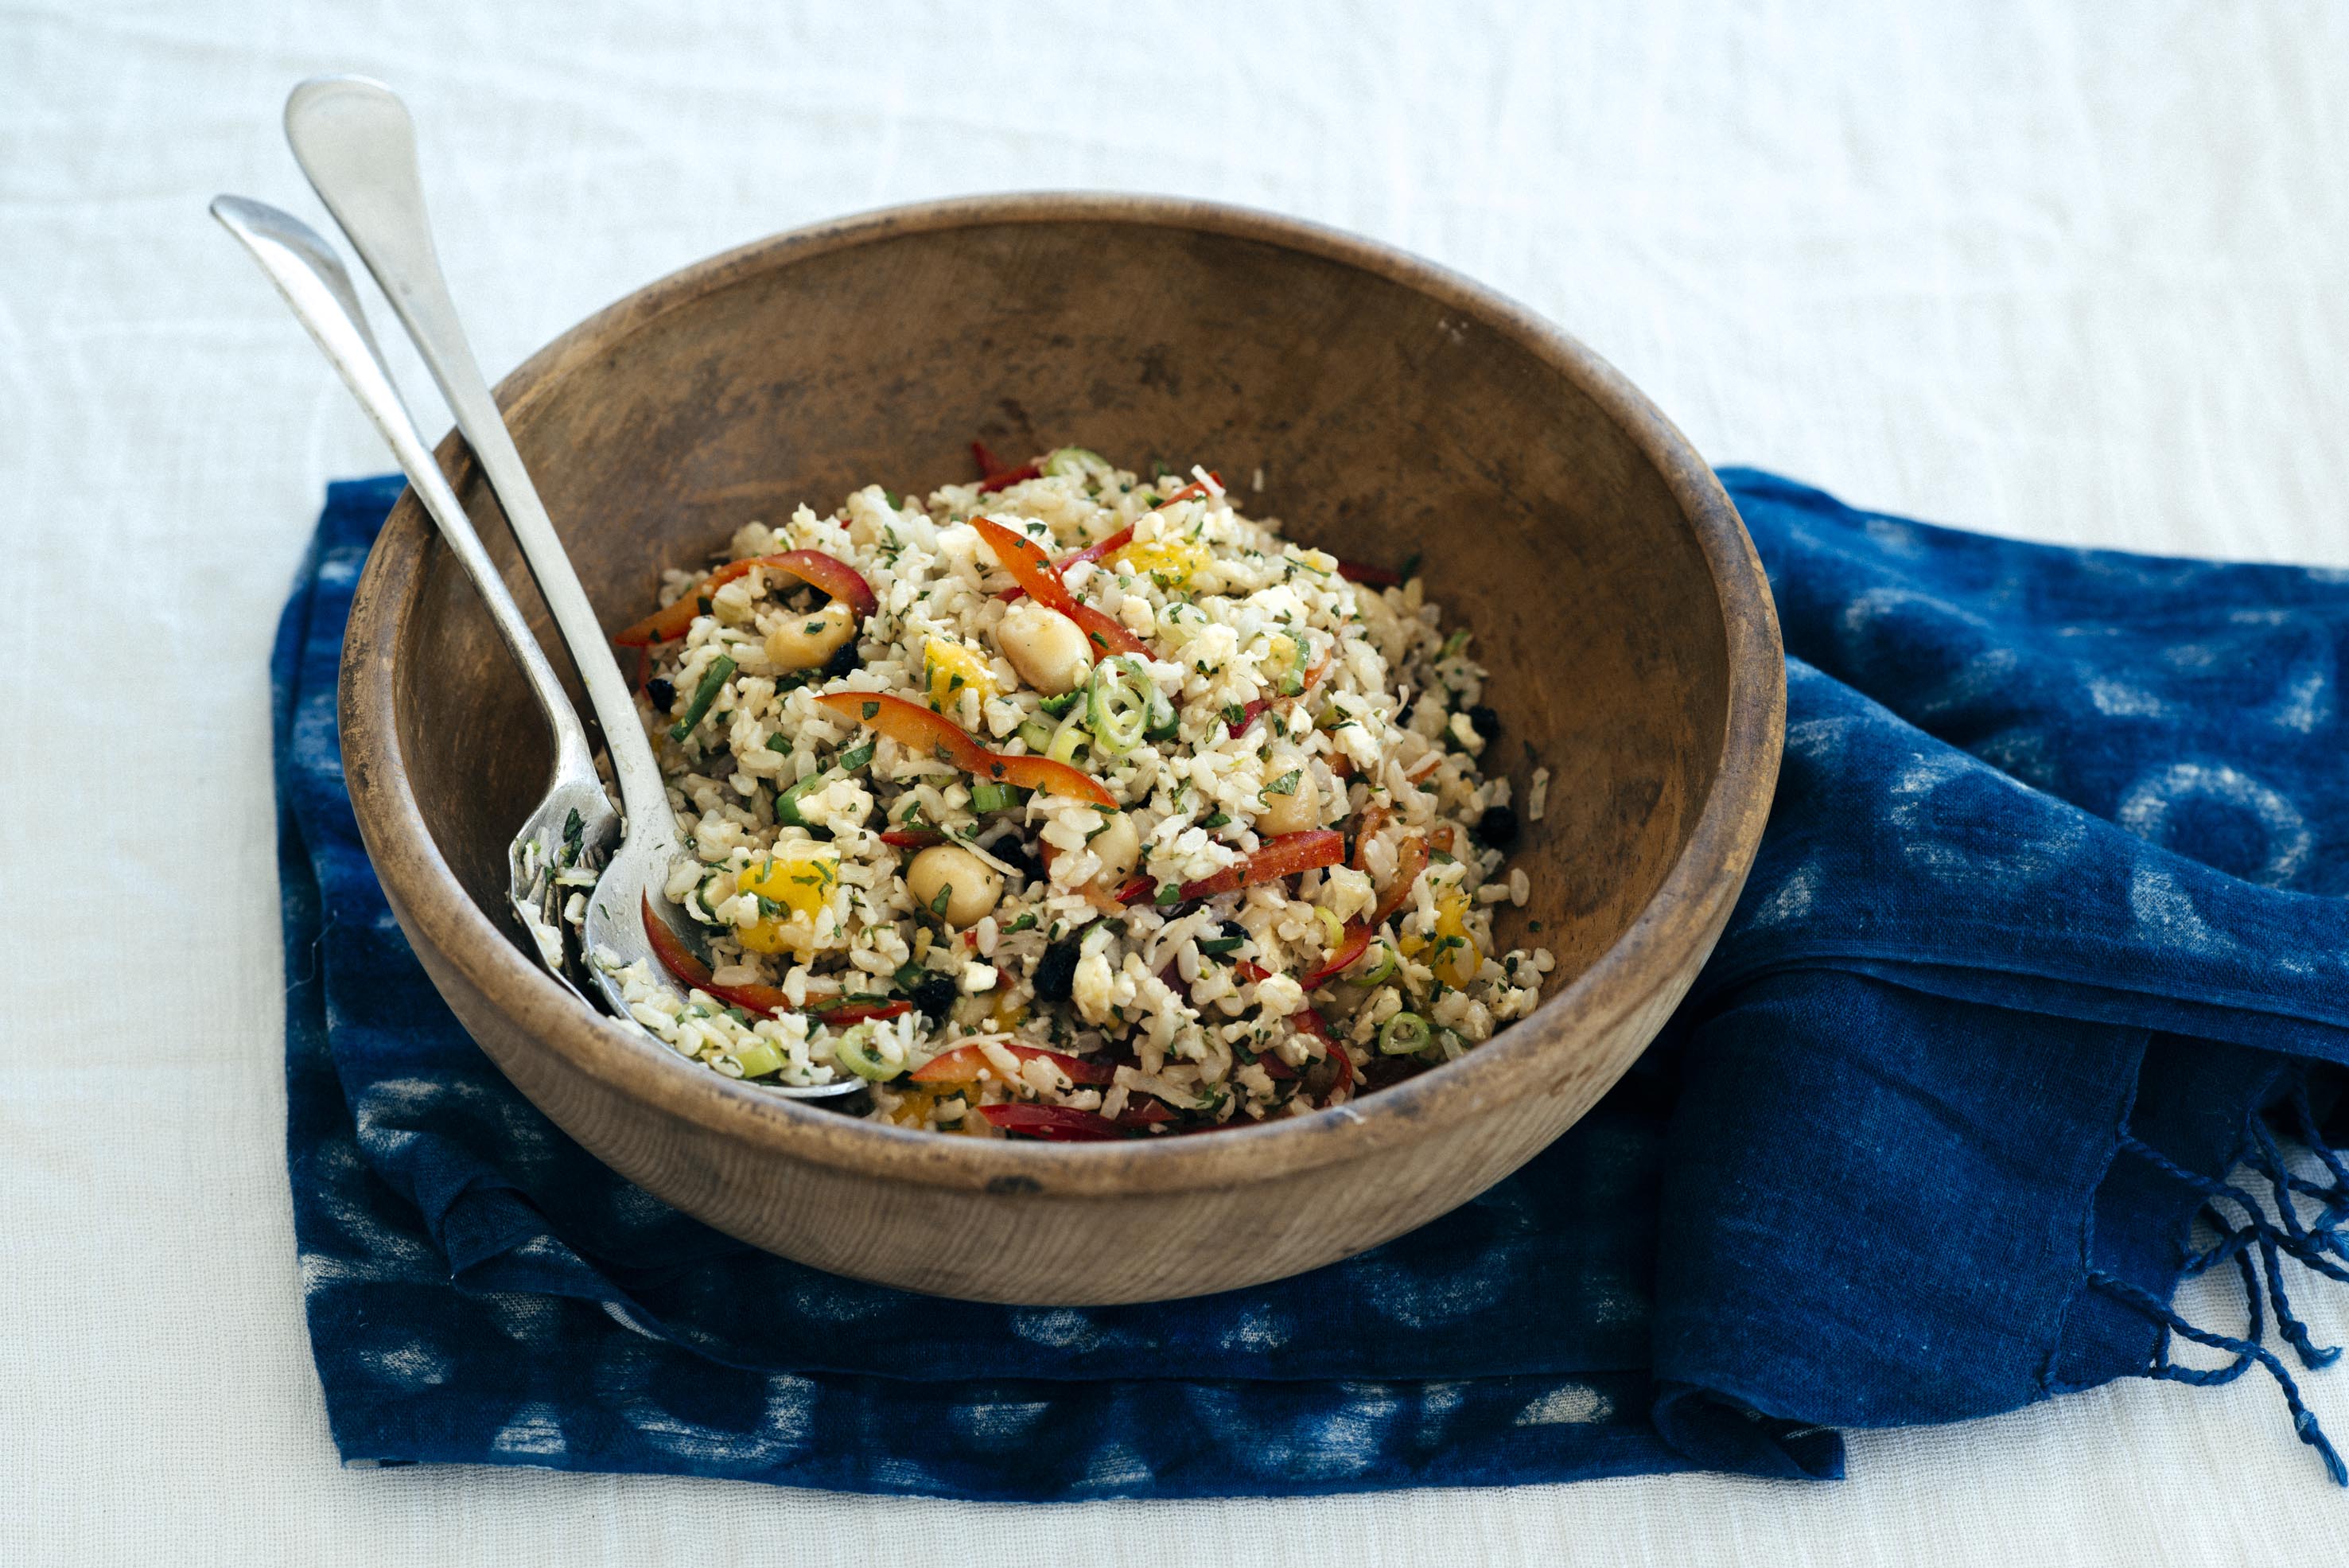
{"points": [[1380, 416]]}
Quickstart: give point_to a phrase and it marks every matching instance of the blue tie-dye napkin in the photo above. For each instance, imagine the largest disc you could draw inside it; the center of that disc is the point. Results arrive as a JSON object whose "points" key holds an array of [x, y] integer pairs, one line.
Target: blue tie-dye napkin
{"points": [[2044, 941]]}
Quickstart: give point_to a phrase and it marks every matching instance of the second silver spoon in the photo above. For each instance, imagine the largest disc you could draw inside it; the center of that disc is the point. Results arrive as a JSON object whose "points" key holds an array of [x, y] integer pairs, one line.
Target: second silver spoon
{"points": [[574, 826], [354, 138]]}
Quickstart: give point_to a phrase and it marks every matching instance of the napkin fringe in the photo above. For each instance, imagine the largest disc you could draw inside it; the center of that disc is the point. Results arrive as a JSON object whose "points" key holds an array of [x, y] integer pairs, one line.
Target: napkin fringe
{"points": [[2257, 1244]]}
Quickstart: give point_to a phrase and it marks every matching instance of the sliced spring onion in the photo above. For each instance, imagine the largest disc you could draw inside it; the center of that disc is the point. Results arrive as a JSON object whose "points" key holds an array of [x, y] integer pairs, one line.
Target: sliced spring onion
{"points": [[1072, 734], [1404, 1035], [996, 796], [713, 680], [755, 1060], [1058, 707], [1074, 462], [1384, 970], [1118, 703], [1037, 734], [854, 1050], [1331, 927], [787, 804]]}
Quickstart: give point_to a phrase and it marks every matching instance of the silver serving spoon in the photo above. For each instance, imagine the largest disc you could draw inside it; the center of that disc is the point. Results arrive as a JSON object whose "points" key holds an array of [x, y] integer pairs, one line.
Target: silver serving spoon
{"points": [[566, 837], [354, 138]]}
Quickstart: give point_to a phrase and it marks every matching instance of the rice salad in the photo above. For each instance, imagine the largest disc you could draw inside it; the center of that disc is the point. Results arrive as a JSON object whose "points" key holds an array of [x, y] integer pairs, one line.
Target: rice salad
{"points": [[1073, 804]]}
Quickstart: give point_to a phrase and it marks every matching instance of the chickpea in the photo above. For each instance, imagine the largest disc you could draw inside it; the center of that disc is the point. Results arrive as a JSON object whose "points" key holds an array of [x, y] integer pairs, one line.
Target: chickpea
{"points": [[809, 642], [1294, 813], [970, 885], [1045, 646], [1118, 847]]}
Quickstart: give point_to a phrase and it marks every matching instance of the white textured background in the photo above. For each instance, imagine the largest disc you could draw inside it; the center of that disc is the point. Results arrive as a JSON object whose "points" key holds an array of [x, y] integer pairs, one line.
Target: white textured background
{"points": [[2067, 273]]}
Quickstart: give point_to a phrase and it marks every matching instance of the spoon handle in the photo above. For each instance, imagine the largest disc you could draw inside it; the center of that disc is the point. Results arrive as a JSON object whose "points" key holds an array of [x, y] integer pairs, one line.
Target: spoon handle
{"points": [[311, 278], [354, 141]]}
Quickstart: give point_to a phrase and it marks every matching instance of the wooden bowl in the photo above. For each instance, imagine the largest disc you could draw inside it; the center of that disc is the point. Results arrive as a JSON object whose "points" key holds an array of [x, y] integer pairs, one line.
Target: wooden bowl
{"points": [[1390, 409]]}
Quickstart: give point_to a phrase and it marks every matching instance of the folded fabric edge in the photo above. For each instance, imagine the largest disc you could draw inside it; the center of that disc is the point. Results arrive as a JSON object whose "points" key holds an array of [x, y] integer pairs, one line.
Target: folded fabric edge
{"points": [[1288, 1444], [1717, 1432]]}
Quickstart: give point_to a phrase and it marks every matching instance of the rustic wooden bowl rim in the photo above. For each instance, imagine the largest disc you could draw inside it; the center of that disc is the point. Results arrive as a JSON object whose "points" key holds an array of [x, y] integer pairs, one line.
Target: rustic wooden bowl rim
{"points": [[1642, 962]]}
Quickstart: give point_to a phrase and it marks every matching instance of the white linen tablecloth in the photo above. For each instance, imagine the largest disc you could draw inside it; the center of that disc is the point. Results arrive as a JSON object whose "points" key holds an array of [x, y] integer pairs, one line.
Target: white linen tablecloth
{"points": [[2067, 273]]}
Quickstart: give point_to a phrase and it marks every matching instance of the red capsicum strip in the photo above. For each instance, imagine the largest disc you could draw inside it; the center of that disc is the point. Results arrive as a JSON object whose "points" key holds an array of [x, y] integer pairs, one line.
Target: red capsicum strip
{"points": [[912, 838], [1053, 1124], [1357, 943], [814, 567], [1143, 1111], [858, 1012], [1009, 477], [1253, 710], [993, 476], [1284, 855], [1410, 862], [1250, 712], [964, 1063], [912, 726], [1037, 576], [768, 1001], [1369, 576], [1106, 635], [1115, 542], [1308, 1022]]}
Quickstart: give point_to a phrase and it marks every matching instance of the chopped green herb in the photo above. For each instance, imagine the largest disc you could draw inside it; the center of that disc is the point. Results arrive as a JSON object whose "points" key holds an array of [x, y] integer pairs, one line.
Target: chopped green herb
{"points": [[1221, 819], [1169, 893], [575, 833], [1287, 782]]}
